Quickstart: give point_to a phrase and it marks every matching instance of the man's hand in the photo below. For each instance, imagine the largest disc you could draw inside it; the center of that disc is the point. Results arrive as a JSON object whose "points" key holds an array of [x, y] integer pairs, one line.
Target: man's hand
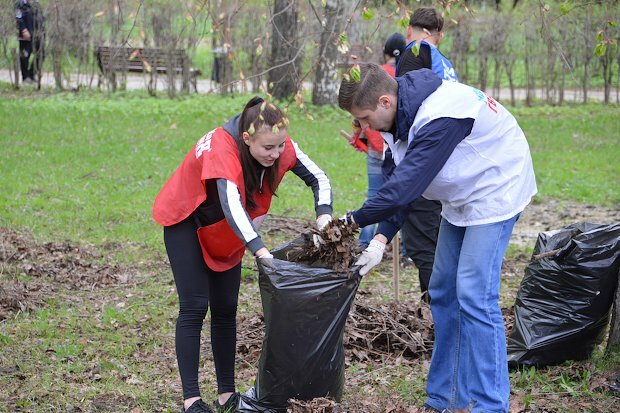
{"points": [[26, 35], [321, 222], [371, 256]]}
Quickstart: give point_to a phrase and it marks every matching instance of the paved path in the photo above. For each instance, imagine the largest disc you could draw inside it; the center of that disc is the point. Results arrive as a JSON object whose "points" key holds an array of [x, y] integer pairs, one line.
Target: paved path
{"points": [[134, 82]]}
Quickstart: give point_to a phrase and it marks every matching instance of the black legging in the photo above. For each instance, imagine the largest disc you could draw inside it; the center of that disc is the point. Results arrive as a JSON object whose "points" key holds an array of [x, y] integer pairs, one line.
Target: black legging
{"points": [[200, 288]]}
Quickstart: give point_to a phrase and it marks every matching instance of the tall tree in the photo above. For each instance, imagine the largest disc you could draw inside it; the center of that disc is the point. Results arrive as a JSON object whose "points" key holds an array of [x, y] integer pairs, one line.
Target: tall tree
{"points": [[285, 52], [325, 90]]}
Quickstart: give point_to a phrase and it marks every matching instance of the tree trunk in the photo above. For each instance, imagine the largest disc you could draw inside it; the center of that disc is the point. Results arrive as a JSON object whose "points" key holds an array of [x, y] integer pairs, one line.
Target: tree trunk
{"points": [[226, 52], [562, 88], [170, 74], [530, 44], [607, 62], [257, 81], [114, 22], [15, 55], [57, 67], [587, 53], [284, 75], [325, 91], [549, 72], [498, 76], [482, 73], [509, 66]]}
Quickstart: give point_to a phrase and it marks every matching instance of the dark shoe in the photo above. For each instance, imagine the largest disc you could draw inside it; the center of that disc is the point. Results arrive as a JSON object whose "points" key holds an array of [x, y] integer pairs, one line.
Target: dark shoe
{"points": [[198, 407], [230, 406], [407, 262]]}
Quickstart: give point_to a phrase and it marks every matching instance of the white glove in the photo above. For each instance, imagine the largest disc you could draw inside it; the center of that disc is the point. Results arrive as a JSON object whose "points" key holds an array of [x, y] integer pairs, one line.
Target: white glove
{"points": [[265, 255], [371, 256], [321, 222], [317, 240]]}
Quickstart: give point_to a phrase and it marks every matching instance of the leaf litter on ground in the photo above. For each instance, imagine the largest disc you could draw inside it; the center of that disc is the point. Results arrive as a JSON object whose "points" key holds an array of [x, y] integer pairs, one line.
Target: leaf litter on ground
{"points": [[49, 266]]}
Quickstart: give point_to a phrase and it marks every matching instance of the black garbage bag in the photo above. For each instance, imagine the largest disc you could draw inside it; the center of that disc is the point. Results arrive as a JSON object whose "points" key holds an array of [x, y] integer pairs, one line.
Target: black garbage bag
{"points": [[564, 301], [305, 308]]}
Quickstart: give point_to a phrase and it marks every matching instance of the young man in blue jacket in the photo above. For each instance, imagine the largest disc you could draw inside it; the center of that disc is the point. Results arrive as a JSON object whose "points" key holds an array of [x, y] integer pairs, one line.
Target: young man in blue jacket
{"points": [[424, 33], [452, 143]]}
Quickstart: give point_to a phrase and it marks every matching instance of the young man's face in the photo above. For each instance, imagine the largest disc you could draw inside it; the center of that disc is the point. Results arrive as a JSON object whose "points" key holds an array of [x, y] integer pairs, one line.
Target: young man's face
{"points": [[381, 118]]}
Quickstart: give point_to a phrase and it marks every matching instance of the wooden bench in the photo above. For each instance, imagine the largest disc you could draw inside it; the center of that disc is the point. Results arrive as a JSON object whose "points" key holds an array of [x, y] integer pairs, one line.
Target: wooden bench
{"points": [[361, 53], [112, 59]]}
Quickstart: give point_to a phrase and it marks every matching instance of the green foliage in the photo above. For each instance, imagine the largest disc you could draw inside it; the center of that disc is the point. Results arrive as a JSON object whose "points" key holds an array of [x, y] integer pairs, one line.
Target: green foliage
{"points": [[356, 73], [368, 14], [415, 49]]}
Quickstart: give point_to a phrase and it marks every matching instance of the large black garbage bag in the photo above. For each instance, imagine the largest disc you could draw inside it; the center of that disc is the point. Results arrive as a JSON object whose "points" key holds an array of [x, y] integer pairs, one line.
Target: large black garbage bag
{"points": [[305, 308], [564, 301]]}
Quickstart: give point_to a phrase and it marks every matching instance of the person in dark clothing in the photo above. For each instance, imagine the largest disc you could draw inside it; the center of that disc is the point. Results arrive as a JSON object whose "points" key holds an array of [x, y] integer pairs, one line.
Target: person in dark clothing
{"points": [[211, 209], [421, 227], [29, 19]]}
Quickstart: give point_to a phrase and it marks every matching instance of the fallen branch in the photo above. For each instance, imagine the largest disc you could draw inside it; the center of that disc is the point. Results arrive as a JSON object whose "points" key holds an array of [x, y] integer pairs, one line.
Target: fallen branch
{"points": [[540, 256]]}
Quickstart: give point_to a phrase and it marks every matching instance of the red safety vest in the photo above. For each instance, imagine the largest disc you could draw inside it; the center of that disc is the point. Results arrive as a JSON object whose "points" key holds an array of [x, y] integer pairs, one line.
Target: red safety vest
{"points": [[390, 69], [214, 156]]}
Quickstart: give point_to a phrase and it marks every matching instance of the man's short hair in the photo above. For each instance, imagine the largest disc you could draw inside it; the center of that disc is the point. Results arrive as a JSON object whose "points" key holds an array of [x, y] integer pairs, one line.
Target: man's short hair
{"points": [[364, 93], [426, 18]]}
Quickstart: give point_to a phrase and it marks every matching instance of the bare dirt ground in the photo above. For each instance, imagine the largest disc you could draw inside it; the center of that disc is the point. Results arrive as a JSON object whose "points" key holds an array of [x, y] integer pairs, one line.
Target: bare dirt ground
{"points": [[553, 214], [381, 335]]}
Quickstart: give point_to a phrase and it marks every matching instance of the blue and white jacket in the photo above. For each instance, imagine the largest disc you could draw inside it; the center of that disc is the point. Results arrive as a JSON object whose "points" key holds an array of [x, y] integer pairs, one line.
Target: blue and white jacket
{"points": [[454, 144], [440, 64]]}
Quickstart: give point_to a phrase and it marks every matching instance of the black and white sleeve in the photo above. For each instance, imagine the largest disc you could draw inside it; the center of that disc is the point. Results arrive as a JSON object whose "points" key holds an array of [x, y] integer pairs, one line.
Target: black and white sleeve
{"points": [[316, 179], [237, 216]]}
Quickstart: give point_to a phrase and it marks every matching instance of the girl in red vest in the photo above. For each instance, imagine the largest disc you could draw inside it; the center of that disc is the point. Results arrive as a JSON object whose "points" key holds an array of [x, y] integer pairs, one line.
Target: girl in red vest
{"points": [[211, 209]]}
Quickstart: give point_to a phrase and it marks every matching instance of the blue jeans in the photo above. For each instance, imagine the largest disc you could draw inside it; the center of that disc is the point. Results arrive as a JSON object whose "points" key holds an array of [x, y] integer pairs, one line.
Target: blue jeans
{"points": [[375, 180], [469, 362]]}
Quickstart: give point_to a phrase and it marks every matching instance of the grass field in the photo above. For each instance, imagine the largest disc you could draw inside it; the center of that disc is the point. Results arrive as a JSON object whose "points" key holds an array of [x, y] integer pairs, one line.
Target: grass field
{"points": [[84, 168], [89, 166]]}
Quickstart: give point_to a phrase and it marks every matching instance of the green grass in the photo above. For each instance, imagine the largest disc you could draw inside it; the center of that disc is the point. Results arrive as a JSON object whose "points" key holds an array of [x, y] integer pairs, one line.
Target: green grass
{"points": [[575, 151], [88, 166]]}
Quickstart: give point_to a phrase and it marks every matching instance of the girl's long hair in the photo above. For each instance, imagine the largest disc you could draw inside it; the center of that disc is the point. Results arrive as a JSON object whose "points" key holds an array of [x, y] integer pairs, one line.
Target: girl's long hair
{"points": [[256, 115]]}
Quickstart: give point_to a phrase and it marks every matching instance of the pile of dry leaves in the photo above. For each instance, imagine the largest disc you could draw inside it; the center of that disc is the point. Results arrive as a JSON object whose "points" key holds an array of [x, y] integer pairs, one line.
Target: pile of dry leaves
{"points": [[337, 249], [395, 330], [318, 405], [51, 265]]}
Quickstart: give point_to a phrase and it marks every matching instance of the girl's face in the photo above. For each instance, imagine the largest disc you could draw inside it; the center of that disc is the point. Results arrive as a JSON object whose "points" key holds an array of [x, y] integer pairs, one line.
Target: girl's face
{"points": [[265, 146]]}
